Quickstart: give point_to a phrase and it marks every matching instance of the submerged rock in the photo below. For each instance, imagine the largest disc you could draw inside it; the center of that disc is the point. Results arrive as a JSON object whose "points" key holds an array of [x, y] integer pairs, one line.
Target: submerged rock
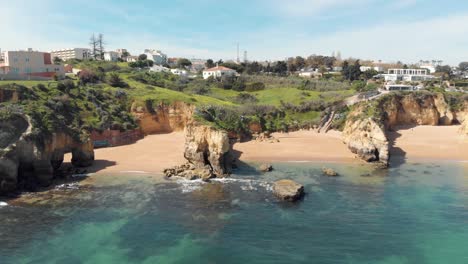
{"points": [[288, 190], [329, 172], [266, 167]]}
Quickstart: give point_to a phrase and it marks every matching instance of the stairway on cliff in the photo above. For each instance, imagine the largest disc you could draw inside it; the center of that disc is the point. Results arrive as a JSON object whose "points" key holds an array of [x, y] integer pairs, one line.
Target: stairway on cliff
{"points": [[326, 122]]}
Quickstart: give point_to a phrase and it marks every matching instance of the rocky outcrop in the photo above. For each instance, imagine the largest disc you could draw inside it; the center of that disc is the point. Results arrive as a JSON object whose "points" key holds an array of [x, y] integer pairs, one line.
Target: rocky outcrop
{"points": [[366, 125], [329, 172], [163, 118], [288, 190], [366, 138], [27, 161], [266, 167], [207, 146]]}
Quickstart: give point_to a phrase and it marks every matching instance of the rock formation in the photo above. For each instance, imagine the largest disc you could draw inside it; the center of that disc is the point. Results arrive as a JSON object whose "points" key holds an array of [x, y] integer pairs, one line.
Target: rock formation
{"points": [[329, 172], [207, 146], [266, 167], [365, 128], [288, 190], [366, 138], [28, 160]]}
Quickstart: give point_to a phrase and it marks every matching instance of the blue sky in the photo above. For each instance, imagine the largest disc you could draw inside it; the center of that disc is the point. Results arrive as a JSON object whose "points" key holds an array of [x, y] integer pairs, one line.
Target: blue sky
{"points": [[406, 30]]}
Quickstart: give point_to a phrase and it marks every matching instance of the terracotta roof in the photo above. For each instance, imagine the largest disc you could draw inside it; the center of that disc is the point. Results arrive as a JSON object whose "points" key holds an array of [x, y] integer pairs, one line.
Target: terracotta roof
{"points": [[219, 68]]}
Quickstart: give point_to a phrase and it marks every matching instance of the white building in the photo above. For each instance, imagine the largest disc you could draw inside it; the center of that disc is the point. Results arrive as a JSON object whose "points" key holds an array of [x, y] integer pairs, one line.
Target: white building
{"points": [[131, 58], [310, 74], [159, 68], [375, 68], [27, 64], [156, 56], [111, 56], [407, 75], [73, 53], [218, 71], [401, 87], [179, 72]]}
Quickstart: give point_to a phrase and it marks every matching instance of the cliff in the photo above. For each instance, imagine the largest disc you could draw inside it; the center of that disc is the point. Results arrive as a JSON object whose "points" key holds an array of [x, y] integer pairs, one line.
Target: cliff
{"points": [[366, 138], [366, 125], [27, 161], [206, 146], [163, 118]]}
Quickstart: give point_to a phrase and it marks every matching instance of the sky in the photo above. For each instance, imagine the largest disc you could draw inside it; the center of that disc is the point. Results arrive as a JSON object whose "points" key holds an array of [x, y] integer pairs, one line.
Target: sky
{"points": [[397, 30]]}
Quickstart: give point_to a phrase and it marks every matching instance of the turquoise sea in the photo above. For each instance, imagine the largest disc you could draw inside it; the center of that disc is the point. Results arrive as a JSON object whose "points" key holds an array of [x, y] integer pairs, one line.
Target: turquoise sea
{"points": [[413, 213]]}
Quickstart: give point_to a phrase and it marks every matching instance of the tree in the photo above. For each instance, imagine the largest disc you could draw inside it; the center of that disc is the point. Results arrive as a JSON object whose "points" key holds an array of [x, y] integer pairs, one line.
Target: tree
{"points": [[291, 65], [94, 46], [210, 63], [369, 74], [299, 62], [183, 63], [463, 66], [116, 81], [57, 60], [142, 57], [100, 45], [352, 72], [281, 67], [87, 76], [125, 54]]}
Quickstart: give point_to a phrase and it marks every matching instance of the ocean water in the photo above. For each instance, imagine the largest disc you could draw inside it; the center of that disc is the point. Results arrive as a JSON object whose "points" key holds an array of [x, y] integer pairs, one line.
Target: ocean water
{"points": [[413, 213]]}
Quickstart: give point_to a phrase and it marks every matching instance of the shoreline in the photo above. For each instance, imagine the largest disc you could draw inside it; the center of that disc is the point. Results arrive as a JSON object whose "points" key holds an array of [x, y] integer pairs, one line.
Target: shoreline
{"points": [[152, 154]]}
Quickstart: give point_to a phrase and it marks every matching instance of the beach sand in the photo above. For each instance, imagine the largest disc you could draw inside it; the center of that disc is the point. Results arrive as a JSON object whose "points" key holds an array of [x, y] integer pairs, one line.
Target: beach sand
{"points": [[298, 146], [428, 143], [152, 155], [156, 152]]}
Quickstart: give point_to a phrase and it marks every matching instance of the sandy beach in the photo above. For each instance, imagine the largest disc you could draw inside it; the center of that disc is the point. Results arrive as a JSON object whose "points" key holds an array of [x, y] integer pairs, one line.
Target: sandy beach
{"points": [[297, 147], [151, 155], [428, 143], [157, 152]]}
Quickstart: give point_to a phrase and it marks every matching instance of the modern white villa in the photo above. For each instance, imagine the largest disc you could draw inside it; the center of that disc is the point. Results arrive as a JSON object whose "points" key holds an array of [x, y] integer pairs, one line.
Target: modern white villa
{"points": [[401, 87], [407, 75], [218, 71]]}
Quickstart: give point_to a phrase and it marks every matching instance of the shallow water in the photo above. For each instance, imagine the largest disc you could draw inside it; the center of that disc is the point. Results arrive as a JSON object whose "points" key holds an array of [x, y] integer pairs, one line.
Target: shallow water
{"points": [[416, 213]]}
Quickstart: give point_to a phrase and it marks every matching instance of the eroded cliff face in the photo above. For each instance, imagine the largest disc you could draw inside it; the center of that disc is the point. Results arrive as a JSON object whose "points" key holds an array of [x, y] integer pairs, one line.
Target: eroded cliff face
{"points": [[366, 126], [26, 162], [207, 146], [428, 109], [163, 118], [366, 138]]}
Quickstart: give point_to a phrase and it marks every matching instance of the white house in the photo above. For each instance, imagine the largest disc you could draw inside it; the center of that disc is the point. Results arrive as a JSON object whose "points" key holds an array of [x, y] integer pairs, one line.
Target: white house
{"points": [[407, 75], [375, 68], [402, 87], [111, 56], [310, 74], [159, 68], [179, 72], [131, 58], [218, 71], [156, 56]]}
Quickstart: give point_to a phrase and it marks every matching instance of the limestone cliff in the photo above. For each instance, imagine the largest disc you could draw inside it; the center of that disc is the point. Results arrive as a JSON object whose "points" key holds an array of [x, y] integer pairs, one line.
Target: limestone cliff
{"points": [[163, 118], [366, 138], [207, 146], [27, 161], [366, 125]]}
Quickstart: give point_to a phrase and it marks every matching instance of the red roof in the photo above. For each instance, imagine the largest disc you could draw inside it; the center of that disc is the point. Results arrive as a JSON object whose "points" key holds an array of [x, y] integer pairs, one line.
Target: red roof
{"points": [[219, 68]]}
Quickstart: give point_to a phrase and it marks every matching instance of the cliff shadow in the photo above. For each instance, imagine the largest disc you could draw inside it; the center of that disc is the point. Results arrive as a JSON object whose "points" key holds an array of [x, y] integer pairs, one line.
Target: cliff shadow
{"points": [[397, 154], [97, 166], [241, 167]]}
